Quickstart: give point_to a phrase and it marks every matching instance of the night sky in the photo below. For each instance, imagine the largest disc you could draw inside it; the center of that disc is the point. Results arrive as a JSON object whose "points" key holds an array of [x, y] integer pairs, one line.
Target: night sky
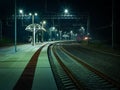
{"points": [[100, 10], [75, 6]]}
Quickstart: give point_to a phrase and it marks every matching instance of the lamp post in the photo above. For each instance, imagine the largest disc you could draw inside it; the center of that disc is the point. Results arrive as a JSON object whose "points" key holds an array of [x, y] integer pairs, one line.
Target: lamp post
{"points": [[33, 27], [60, 34], [113, 23], [71, 32], [88, 23], [43, 23], [15, 29], [15, 25], [0, 30], [21, 12]]}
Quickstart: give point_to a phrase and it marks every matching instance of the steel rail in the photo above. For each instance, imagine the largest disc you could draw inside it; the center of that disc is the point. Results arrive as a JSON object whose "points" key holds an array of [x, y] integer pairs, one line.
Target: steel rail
{"points": [[77, 83], [102, 75]]}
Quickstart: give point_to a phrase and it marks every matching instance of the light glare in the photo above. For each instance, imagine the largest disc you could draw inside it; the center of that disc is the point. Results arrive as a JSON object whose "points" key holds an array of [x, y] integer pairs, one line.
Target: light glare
{"points": [[21, 11], [44, 22], [30, 14], [36, 14], [66, 11]]}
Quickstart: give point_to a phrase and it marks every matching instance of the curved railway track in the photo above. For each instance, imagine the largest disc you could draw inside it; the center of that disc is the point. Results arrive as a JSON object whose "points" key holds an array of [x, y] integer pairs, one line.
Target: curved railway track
{"points": [[70, 71], [64, 78]]}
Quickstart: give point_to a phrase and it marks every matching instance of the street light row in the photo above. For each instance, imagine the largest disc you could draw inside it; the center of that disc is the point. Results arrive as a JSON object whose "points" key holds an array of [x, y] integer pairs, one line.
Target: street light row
{"points": [[42, 24], [21, 12], [66, 12], [32, 14], [35, 14]]}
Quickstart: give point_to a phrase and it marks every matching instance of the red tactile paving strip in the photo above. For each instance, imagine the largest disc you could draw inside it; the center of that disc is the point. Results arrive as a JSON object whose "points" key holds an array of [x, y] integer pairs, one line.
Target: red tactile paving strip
{"points": [[26, 80]]}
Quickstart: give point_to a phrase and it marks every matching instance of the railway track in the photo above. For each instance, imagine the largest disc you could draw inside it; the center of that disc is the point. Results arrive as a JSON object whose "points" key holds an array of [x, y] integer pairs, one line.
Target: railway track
{"points": [[76, 73], [64, 78]]}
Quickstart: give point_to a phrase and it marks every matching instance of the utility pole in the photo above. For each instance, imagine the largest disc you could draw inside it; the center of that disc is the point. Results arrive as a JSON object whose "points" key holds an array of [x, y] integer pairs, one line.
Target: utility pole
{"points": [[0, 30], [88, 23], [15, 28], [33, 30], [88, 27], [112, 23]]}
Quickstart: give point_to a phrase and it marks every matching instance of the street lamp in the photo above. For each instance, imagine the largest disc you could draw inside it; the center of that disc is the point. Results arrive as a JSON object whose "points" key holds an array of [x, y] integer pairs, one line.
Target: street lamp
{"points": [[33, 15], [21, 12], [53, 28], [43, 23], [60, 34], [66, 11], [30, 14], [15, 18], [71, 32], [36, 14]]}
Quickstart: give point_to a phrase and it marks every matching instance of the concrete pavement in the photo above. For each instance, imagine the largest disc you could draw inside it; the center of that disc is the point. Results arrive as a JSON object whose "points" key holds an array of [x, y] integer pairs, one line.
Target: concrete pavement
{"points": [[13, 64], [44, 79]]}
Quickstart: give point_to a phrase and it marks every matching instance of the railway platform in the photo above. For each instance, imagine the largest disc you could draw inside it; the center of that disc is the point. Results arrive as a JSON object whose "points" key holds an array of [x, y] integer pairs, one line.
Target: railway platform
{"points": [[12, 66]]}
